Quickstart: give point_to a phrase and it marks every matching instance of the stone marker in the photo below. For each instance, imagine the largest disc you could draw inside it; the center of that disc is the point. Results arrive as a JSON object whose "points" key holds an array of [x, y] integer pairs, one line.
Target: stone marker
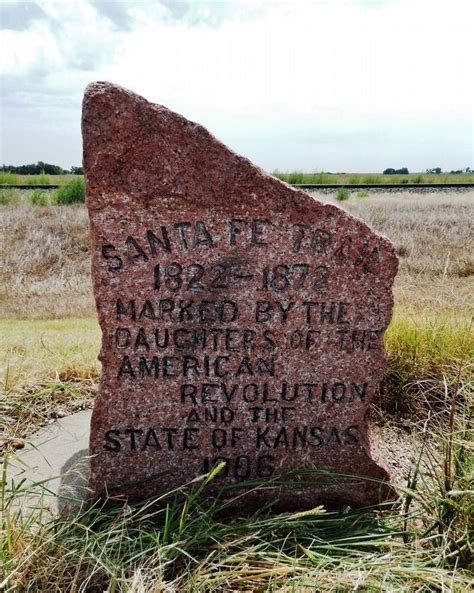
{"points": [[242, 319]]}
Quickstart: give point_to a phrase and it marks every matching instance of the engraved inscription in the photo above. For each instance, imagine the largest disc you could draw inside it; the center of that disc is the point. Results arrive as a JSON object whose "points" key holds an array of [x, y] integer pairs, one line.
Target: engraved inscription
{"points": [[229, 376]]}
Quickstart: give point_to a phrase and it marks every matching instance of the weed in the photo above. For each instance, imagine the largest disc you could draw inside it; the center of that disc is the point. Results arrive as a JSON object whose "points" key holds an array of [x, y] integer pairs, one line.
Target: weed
{"points": [[7, 178], [354, 179], [298, 177], [9, 197], [372, 179], [322, 179], [72, 192], [293, 177], [38, 179], [38, 198], [425, 361], [342, 194], [402, 250], [5, 197], [362, 193]]}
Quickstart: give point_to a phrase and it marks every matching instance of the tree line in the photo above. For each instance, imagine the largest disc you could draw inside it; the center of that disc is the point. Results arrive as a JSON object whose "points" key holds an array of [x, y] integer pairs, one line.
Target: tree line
{"points": [[41, 168], [433, 171]]}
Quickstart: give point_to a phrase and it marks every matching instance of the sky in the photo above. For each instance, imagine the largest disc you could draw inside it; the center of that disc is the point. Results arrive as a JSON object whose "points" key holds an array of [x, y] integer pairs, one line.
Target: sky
{"points": [[323, 85]]}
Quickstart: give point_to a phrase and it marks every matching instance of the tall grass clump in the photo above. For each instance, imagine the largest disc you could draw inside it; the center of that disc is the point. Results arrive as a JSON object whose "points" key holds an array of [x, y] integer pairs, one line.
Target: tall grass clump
{"points": [[322, 178], [41, 179], [299, 177], [427, 361], [38, 197], [72, 192], [9, 196], [5, 197], [372, 179], [7, 178], [342, 194]]}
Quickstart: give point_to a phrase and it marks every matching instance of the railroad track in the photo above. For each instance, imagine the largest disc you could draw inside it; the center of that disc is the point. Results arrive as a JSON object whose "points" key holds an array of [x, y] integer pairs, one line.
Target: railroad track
{"points": [[384, 186], [27, 186], [335, 186]]}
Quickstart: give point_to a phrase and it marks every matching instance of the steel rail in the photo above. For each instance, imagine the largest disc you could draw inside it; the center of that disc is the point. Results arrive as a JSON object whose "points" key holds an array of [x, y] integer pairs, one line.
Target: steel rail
{"points": [[29, 186], [383, 185]]}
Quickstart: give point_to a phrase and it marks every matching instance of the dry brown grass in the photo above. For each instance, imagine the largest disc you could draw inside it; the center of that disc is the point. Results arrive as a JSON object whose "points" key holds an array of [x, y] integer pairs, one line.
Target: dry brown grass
{"points": [[33, 405], [46, 269], [45, 263]]}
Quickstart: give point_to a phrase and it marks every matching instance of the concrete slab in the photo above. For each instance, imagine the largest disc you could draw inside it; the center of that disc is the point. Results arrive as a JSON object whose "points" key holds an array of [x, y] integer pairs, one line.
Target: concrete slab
{"points": [[52, 469]]}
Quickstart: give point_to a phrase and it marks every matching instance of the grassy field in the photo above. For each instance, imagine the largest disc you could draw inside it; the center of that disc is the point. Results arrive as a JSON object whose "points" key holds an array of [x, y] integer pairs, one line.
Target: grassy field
{"points": [[288, 176], [43, 179], [72, 191], [50, 340], [294, 177]]}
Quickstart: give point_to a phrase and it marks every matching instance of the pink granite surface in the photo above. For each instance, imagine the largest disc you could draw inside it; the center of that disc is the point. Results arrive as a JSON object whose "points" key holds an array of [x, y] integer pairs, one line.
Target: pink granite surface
{"points": [[242, 319]]}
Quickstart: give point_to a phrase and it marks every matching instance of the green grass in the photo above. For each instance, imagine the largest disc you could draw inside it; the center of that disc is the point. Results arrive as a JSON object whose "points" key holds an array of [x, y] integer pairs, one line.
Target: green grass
{"points": [[362, 193], [292, 177], [34, 351], [9, 178], [372, 179], [342, 194], [38, 197], [298, 177], [37, 179], [72, 192], [9, 196], [69, 193], [428, 358], [44, 179]]}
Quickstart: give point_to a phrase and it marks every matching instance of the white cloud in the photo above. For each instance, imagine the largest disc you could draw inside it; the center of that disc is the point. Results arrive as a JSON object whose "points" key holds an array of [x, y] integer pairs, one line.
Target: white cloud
{"points": [[334, 85]]}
